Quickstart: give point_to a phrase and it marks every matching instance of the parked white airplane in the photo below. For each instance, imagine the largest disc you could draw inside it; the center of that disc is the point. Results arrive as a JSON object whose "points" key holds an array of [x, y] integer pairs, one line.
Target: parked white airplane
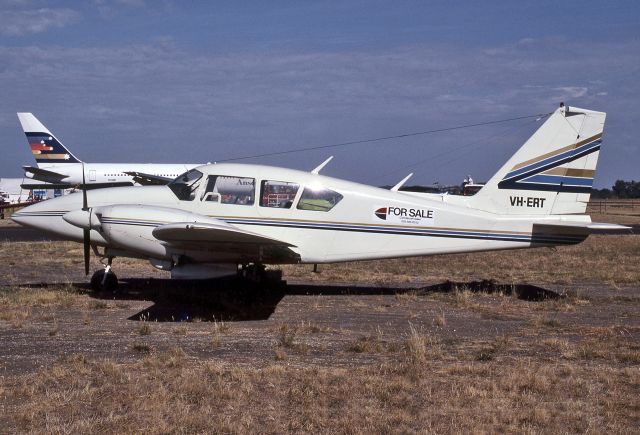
{"points": [[213, 218], [57, 165]]}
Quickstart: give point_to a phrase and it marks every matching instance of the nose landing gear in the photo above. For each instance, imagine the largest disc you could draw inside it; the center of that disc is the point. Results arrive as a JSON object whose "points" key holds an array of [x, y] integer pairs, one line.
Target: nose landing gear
{"points": [[104, 280]]}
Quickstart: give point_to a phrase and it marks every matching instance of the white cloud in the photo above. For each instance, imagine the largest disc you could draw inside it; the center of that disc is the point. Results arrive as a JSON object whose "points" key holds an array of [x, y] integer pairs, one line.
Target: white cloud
{"points": [[24, 22], [572, 91], [111, 8], [196, 106], [132, 3]]}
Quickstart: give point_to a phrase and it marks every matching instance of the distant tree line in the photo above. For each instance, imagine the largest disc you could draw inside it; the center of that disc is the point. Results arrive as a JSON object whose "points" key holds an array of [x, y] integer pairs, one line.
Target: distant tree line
{"points": [[621, 189]]}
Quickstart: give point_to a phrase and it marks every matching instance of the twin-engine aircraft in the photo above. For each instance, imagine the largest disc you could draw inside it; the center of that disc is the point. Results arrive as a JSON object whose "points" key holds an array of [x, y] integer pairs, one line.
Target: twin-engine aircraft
{"points": [[215, 218], [58, 166]]}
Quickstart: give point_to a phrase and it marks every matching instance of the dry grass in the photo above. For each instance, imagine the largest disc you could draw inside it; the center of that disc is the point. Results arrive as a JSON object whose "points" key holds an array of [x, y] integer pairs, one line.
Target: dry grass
{"points": [[181, 330], [287, 338], [144, 329], [612, 259], [49, 296], [546, 378], [19, 264], [170, 392], [467, 363], [17, 305], [440, 320]]}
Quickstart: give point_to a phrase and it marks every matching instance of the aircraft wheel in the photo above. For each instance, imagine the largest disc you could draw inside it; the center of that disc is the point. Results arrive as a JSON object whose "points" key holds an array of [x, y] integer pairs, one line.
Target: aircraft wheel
{"points": [[100, 283]]}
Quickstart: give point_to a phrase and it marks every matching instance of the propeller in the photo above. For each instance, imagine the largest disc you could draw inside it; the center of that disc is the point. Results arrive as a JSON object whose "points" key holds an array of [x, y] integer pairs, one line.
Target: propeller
{"points": [[86, 233]]}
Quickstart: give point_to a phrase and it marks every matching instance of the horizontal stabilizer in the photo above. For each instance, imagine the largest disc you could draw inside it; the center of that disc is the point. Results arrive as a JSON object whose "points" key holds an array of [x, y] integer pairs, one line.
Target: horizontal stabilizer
{"points": [[44, 175], [148, 179], [582, 228]]}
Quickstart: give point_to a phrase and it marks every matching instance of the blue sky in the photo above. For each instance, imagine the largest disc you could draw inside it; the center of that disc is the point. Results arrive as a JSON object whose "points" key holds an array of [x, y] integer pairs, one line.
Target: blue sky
{"points": [[168, 81]]}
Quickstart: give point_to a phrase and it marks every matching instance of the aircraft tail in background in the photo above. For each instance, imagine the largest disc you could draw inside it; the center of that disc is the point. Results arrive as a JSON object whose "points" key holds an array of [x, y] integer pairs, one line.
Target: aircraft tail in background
{"points": [[45, 147]]}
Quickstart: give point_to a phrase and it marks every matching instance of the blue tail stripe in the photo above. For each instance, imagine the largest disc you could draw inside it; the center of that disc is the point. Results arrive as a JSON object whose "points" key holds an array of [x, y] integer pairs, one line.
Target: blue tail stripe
{"points": [[554, 159]]}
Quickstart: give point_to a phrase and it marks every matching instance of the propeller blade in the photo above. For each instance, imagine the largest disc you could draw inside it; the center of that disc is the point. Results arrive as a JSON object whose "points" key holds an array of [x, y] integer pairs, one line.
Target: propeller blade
{"points": [[87, 247], [85, 205], [86, 234]]}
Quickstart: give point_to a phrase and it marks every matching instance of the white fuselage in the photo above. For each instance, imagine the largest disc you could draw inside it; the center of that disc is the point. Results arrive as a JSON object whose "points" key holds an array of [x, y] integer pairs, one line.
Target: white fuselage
{"points": [[104, 173], [367, 223]]}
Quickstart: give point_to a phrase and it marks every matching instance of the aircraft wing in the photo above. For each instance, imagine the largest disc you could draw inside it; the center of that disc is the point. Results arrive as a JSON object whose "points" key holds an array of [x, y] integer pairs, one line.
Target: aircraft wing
{"points": [[88, 186], [148, 179], [45, 175], [227, 238], [38, 186]]}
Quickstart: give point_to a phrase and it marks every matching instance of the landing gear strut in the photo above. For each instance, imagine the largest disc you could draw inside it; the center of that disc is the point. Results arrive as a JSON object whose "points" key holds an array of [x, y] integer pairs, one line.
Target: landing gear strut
{"points": [[104, 280]]}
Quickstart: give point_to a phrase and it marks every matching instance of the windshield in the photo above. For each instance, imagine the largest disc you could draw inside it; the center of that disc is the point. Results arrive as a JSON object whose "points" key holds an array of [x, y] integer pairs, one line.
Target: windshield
{"points": [[185, 185]]}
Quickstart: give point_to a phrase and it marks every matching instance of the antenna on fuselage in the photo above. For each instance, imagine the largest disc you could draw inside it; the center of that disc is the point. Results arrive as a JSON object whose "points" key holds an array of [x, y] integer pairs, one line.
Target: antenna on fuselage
{"points": [[321, 165], [401, 183]]}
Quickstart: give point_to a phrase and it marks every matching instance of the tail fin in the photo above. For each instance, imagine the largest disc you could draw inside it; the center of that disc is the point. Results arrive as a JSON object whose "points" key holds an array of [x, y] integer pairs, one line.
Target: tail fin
{"points": [[552, 173], [44, 145]]}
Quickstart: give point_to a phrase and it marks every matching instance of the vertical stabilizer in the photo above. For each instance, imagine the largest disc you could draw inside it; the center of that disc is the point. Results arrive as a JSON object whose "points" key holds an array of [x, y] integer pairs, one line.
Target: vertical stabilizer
{"points": [[46, 149], [552, 173]]}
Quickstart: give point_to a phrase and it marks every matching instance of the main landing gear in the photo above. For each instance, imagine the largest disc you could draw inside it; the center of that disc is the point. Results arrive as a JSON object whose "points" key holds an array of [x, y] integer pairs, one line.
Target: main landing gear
{"points": [[104, 280], [258, 273]]}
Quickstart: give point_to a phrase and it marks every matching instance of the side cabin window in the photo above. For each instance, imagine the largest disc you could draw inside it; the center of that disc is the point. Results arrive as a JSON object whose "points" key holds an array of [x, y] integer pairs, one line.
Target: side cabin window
{"points": [[230, 190], [318, 199], [278, 194], [186, 185]]}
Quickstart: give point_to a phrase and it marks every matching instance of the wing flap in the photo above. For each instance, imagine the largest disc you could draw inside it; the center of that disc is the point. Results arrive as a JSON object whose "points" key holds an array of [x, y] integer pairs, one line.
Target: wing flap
{"points": [[44, 175]]}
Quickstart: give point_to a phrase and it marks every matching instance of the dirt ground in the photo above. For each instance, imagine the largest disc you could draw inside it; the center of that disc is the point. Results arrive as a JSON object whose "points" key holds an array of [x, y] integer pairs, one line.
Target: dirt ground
{"points": [[534, 341]]}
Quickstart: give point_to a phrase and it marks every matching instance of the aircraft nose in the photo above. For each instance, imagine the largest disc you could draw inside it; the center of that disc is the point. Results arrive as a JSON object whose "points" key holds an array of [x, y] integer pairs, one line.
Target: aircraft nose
{"points": [[19, 218], [33, 215]]}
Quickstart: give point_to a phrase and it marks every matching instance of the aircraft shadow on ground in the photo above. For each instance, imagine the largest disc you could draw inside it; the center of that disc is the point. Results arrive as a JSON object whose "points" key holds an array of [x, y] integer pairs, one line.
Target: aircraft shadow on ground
{"points": [[240, 300]]}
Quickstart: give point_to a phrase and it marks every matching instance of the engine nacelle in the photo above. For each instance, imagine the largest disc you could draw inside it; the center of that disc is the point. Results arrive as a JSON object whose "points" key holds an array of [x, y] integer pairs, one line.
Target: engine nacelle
{"points": [[130, 227]]}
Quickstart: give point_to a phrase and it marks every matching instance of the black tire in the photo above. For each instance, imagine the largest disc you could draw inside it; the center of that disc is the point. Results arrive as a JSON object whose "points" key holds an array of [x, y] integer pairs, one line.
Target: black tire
{"points": [[110, 282]]}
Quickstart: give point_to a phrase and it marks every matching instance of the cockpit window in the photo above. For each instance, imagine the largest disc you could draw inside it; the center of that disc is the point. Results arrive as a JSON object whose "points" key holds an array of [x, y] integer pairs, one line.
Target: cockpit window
{"points": [[229, 190], [320, 199], [278, 194], [185, 185]]}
